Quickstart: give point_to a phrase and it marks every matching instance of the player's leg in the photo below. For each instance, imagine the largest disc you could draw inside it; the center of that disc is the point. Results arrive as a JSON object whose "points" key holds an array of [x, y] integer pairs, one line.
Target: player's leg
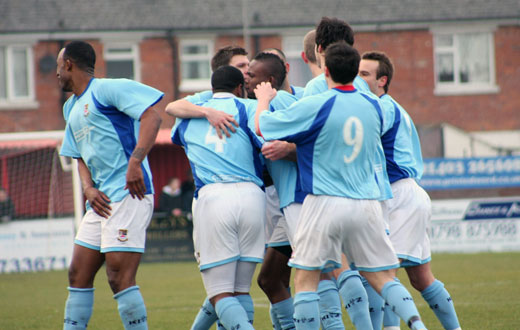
{"points": [[206, 316], [433, 291], [306, 299], [330, 303], [82, 271], [274, 279], [123, 241], [368, 246], [390, 320], [244, 273], [86, 261], [354, 295]]}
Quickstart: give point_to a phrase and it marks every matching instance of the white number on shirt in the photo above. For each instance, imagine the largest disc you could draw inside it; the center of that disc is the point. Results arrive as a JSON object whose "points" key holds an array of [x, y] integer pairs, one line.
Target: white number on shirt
{"points": [[353, 136], [212, 138]]}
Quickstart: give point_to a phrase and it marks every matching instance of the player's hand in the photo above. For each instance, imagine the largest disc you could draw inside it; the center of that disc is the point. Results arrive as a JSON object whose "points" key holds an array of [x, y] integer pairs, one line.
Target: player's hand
{"points": [[99, 202], [275, 150], [223, 122], [264, 91], [134, 179]]}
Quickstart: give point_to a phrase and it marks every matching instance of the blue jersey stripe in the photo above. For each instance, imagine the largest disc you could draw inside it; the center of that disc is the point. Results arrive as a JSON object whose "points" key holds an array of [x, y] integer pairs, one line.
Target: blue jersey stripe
{"points": [[124, 126]]}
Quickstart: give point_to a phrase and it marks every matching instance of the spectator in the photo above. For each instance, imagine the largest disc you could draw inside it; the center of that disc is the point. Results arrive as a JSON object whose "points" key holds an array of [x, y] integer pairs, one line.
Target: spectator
{"points": [[170, 200], [6, 207]]}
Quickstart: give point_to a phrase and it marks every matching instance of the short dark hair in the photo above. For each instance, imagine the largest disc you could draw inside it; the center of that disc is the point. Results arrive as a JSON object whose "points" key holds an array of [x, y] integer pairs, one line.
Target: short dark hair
{"points": [[342, 60], [223, 56], [332, 29], [82, 54], [309, 41], [275, 67], [385, 67], [278, 51], [226, 79]]}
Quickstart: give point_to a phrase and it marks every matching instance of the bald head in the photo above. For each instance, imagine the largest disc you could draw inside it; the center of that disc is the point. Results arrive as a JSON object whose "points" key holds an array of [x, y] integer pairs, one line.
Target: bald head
{"points": [[309, 42]]}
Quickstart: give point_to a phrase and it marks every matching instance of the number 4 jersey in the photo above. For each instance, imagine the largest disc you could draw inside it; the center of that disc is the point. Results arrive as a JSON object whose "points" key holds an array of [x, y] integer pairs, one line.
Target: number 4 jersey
{"points": [[337, 134], [226, 160]]}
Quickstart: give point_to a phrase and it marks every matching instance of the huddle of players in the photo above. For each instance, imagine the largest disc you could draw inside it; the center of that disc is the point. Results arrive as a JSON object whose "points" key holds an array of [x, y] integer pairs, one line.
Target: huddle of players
{"points": [[355, 148]]}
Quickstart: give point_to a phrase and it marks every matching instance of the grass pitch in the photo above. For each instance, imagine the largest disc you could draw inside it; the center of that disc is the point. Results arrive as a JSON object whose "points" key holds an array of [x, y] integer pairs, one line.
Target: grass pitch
{"points": [[485, 288]]}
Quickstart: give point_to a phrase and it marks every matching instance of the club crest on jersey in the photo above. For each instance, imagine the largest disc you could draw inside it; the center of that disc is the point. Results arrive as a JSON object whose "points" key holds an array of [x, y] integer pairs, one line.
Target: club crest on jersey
{"points": [[85, 111], [123, 235]]}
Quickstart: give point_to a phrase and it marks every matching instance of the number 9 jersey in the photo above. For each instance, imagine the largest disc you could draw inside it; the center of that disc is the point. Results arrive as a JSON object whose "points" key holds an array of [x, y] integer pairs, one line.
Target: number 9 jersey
{"points": [[337, 134]]}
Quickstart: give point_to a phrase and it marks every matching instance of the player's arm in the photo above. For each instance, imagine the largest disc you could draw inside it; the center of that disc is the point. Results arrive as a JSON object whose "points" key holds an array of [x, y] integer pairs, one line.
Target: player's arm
{"points": [[264, 94], [99, 202], [275, 150], [150, 123], [220, 120]]}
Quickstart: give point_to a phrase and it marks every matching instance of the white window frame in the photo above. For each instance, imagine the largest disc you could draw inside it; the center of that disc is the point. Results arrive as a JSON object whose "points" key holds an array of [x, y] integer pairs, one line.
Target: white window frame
{"points": [[290, 52], [19, 102], [191, 85], [457, 88], [133, 55]]}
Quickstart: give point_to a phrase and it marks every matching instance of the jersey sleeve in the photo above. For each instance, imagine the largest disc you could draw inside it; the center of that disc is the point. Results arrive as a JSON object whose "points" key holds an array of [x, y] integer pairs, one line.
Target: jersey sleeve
{"points": [[128, 96], [200, 97], [68, 145], [288, 124]]}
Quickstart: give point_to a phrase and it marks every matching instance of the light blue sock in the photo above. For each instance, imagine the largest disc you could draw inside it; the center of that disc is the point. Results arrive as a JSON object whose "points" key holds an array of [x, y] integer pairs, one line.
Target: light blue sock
{"points": [[401, 302], [78, 308], [390, 319], [274, 318], [306, 311], [131, 308], [206, 316], [232, 315], [330, 306], [284, 311], [440, 302], [355, 298], [247, 303]]}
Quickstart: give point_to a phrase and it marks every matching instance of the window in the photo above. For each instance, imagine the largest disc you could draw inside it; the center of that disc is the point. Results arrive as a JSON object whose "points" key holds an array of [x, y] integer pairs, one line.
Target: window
{"points": [[464, 63], [122, 61], [299, 72], [195, 58], [16, 77]]}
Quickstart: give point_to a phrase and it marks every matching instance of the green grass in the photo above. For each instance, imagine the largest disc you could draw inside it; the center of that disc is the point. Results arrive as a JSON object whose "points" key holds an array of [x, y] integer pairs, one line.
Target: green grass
{"points": [[485, 288]]}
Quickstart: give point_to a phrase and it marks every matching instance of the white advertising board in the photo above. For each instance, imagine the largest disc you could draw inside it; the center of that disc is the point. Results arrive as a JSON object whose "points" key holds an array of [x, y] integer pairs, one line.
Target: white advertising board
{"points": [[36, 245], [478, 225]]}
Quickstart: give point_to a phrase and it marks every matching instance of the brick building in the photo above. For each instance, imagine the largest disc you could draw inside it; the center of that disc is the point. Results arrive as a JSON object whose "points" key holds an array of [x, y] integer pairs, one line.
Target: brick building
{"points": [[457, 62]]}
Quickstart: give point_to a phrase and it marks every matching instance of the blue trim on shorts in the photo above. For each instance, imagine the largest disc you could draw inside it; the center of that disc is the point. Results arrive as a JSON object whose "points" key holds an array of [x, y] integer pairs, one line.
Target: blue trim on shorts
{"points": [[276, 244], [251, 259], [327, 267], [122, 249], [88, 246], [377, 269], [411, 261], [218, 263]]}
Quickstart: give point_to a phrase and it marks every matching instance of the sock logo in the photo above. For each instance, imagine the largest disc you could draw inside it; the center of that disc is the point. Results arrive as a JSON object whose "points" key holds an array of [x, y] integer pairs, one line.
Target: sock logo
{"points": [[304, 320], [138, 321], [235, 327], [69, 321], [353, 301]]}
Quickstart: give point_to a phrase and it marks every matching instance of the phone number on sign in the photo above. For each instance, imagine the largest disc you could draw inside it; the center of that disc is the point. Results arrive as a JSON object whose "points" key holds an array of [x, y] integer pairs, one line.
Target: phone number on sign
{"points": [[37, 264], [473, 166]]}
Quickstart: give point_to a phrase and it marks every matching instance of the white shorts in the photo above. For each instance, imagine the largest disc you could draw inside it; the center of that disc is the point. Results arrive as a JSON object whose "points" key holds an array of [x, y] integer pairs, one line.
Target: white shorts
{"points": [[409, 216], [123, 231], [330, 225], [274, 220], [291, 217], [228, 224]]}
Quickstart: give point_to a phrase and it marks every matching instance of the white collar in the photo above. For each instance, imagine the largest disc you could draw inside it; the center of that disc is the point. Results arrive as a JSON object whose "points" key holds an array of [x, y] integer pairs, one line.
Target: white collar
{"points": [[223, 95]]}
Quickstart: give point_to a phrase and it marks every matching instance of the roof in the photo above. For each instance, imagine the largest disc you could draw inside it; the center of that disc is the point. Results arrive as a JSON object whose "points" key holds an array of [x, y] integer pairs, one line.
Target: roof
{"points": [[116, 15]]}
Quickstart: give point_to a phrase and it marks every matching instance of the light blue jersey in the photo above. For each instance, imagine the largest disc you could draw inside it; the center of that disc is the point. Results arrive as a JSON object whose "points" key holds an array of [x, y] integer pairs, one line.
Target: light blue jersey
{"points": [[102, 129], [319, 85], [402, 146], [199, 97], [284, 172], [330, 163], [226, 160], [297, 91]]}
